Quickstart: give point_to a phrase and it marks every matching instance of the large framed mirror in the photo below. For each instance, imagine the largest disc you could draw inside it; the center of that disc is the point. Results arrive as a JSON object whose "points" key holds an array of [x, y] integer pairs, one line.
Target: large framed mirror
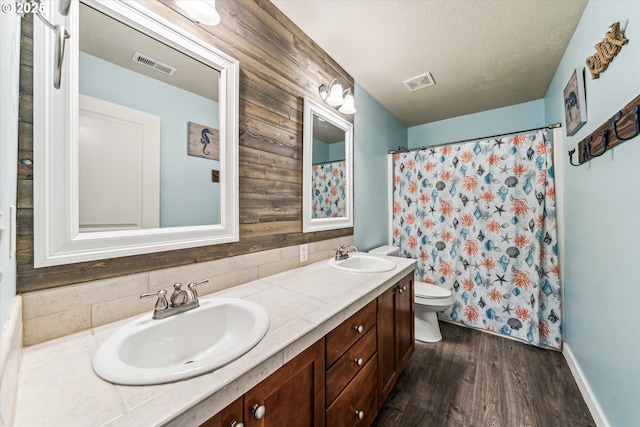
{"points": [[327, 174], [137, 151]]}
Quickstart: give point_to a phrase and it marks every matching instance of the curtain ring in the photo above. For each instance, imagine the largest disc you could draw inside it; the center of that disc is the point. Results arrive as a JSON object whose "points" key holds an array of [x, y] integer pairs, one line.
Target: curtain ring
{"points": [[614, 120]]}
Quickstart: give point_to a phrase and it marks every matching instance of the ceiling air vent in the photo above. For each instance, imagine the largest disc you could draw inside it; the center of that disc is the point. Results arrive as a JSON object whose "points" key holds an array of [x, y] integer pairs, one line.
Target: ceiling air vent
{"points": [[419, 82], [152, 63]]}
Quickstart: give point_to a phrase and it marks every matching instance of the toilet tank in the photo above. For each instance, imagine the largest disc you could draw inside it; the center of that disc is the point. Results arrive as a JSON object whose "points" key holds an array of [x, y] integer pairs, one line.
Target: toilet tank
{"points": [[385, 250]]}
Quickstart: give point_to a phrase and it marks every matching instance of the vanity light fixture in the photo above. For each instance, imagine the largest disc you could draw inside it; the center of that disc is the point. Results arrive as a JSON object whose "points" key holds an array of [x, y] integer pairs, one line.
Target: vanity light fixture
{"points": [[335, 96], [203, 11]]}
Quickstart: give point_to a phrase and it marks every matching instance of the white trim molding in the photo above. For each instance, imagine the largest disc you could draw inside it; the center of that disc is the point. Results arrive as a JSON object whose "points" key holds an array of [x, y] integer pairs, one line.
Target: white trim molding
{"points": [[587, 394], [57, 238], [310, 224]]}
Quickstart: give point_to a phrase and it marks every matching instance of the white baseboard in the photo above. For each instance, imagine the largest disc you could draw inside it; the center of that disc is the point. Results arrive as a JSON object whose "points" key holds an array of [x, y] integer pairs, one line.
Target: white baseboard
{"points": [[585, 388]]}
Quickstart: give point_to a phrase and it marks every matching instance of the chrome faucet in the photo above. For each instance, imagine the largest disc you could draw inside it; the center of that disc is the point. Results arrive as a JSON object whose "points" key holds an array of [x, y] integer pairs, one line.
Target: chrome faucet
{"points": [[181, 300], [342, 251]]}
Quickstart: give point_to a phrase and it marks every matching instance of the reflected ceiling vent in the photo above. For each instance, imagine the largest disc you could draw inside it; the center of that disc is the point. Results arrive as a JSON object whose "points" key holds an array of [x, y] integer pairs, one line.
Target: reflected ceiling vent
{"points": [[152, 63], [419, 82]]}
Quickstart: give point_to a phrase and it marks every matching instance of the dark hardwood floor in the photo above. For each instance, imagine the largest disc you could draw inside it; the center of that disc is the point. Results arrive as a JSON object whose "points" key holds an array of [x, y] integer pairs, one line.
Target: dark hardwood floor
{"points": [[472, 378]]}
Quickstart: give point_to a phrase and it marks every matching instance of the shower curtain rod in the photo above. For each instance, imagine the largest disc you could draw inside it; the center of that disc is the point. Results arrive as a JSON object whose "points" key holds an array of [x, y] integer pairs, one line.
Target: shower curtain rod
{"points": [[407, 150]]}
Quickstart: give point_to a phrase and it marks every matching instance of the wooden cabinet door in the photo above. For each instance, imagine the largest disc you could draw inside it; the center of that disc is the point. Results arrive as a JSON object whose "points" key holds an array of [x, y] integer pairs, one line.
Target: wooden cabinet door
{"points": [[395, 334], [228, 416], [405, 342], [386, 326], [293, 396]]}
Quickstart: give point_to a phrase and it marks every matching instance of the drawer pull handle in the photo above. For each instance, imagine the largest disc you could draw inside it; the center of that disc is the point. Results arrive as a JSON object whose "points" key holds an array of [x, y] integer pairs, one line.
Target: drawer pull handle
{"points": [[404, 288], [360, 414], [258, 411], [359, 361], [359, 329], [236, 424]]}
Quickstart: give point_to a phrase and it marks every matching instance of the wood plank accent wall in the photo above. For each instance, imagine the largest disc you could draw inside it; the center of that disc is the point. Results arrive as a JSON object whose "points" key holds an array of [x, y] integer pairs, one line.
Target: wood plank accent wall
{"points": [[279, 65]]}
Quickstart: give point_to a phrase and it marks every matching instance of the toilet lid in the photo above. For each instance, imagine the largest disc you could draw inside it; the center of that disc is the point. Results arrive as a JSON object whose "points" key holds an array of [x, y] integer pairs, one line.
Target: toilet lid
{"points": [[429, 290]]}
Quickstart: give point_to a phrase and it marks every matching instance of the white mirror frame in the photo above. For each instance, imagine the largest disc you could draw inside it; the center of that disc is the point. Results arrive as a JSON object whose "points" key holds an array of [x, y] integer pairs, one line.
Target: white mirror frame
{"points": [[310, 224], [57, 239]]}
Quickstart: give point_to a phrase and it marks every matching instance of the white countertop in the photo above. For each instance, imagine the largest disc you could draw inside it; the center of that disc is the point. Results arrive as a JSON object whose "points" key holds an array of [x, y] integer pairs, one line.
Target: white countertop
{"points": [[57, 385]]}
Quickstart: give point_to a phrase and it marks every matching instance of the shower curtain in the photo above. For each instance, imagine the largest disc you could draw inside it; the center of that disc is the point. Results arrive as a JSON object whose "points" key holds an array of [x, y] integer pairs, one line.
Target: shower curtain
{"points": [[329, 194], [480, 219]]}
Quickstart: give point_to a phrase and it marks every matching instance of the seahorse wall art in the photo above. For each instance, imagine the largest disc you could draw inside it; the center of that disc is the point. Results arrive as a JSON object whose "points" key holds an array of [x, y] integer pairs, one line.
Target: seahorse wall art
{"points": [[203, 141], [606, 50]]}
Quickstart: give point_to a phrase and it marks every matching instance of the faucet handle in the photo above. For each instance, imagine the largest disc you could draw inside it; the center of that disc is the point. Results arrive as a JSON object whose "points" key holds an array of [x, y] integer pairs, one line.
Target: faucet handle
{"points": [[192, 287], [161, 303]]}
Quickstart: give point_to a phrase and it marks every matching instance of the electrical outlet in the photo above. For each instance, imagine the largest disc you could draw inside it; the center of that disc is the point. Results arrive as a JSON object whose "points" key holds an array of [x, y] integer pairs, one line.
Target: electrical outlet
{"points": [[304, 252]]}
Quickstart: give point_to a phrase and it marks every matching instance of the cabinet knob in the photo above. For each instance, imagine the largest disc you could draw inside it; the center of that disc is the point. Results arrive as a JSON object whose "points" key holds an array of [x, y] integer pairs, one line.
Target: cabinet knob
{"points": [[359, 361], [236, 424], [360, 414], [404, 288], [258, 411], [359, 329]]}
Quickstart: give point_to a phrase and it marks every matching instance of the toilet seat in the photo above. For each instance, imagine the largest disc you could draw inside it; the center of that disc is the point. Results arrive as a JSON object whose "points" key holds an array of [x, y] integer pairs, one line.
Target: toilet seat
{"points": [[430, 291]]}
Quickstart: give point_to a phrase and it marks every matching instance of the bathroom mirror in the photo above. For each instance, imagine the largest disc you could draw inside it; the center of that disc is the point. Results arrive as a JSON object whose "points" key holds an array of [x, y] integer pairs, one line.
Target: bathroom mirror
{"points": [[137, 151], [327, 195]]}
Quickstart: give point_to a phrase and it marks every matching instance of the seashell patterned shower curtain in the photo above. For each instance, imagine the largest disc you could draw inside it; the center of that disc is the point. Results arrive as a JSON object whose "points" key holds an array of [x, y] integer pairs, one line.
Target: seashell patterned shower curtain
{"points": [[480, 219], [329, 190]]}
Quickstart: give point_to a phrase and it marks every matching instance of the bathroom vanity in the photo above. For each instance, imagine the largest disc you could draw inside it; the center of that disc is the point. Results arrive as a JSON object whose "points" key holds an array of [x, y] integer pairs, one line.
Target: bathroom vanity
{"points": [[349, 372], [336, 344]]}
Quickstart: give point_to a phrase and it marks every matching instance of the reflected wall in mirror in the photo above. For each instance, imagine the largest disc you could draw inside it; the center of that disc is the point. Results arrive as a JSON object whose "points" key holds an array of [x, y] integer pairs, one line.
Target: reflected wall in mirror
{"points": [[137, 97], [327, 172], [116, 174]]}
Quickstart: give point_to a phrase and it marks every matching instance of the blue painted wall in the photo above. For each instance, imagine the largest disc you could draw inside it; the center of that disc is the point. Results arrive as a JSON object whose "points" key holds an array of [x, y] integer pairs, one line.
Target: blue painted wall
{"points": [[187, 194], [325, 153], [602, 206], [376, 131], [518, 117]]}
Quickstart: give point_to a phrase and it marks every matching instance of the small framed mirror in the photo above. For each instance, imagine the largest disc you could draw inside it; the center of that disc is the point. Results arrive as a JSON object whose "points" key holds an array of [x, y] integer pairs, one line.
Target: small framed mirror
{"points": [[327, 174]]}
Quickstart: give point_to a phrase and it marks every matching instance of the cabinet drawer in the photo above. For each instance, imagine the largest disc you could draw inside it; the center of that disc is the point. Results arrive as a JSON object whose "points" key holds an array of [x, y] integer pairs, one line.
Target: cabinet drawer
{"points": [[359, 396], [339, 375], [350, 331]]}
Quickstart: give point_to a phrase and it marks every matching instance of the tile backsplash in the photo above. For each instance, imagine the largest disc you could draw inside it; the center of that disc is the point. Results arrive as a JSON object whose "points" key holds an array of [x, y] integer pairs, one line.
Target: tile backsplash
{"points": [[56, 312]]}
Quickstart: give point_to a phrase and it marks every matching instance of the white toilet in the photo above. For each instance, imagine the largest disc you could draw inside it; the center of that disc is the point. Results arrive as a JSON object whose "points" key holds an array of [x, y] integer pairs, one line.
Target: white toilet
{"points": [[429, 299]]}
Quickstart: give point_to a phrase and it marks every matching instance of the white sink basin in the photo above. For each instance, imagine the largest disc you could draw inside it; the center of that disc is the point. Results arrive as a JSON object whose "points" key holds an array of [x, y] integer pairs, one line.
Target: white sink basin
{"points": [[148, 351], [362, 263]]}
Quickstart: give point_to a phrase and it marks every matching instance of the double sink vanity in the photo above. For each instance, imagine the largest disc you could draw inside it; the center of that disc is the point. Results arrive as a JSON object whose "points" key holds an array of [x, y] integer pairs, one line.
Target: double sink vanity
{"points": [[319, 345], [336, 341]]}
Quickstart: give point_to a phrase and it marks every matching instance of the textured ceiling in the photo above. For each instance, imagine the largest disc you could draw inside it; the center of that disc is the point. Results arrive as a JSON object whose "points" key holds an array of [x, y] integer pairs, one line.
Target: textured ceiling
{"points": [[482, 54]]}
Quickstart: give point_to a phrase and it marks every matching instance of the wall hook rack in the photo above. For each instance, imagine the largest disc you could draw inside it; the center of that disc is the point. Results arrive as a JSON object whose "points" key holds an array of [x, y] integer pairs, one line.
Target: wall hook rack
{"points": [[623, 126]]}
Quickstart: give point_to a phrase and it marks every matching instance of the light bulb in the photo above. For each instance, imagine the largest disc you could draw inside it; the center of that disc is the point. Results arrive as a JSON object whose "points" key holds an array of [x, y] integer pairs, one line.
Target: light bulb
{"points": [[335, 95], [349, 105], [203, 12]]}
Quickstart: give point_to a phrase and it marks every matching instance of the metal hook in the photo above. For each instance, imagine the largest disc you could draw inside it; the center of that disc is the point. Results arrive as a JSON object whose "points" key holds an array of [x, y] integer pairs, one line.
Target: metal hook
{"points": [[62, 34], [614, 120], [571, 153], [64, 6], [587, 144]]}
